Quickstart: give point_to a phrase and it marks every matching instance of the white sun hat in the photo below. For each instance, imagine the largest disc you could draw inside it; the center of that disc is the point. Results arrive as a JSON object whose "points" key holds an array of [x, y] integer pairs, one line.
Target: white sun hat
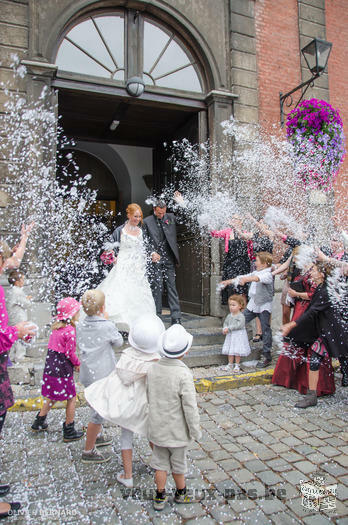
{"points": [[175, 341], [145, 333]]}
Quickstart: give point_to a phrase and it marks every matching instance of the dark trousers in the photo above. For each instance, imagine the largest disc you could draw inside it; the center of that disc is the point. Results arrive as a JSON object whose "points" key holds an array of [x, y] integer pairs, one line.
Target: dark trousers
{"points": [[264, 317], [2, 419], [164, 272]]}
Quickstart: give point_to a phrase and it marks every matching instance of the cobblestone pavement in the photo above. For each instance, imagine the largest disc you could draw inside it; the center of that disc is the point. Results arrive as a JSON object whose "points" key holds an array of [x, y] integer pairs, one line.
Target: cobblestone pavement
{"points": [[254, 451]]}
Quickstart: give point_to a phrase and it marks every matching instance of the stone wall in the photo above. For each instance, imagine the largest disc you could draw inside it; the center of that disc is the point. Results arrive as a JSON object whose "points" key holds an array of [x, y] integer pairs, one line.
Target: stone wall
{"points": [[336, 31], [243, 60]]}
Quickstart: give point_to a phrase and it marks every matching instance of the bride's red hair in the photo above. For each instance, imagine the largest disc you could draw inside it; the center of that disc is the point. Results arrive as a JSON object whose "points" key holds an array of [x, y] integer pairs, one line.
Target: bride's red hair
{"points": [[132, 208]]}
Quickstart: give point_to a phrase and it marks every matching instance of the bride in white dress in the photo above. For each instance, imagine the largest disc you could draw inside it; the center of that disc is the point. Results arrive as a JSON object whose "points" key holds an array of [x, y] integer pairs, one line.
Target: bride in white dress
{"points": [[127, 291]]}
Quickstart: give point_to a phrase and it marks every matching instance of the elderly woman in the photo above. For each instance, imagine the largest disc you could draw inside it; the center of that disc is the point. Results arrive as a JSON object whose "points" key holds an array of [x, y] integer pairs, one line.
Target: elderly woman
{"points": [[8, 336], [323, 328]]}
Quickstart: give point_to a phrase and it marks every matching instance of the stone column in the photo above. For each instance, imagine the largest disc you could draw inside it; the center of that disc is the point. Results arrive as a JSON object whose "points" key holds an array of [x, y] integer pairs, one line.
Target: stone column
{"points": [[220, 108]]}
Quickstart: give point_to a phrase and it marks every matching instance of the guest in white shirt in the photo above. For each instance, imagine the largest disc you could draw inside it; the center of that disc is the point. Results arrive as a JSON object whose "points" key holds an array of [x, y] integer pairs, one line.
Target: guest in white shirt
{"points": [[260, 301], [17, 304]]}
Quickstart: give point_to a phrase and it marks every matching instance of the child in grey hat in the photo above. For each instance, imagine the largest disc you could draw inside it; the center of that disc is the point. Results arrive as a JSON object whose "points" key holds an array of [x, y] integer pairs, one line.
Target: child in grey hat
{"points": [[96, 339], [173, 414]]}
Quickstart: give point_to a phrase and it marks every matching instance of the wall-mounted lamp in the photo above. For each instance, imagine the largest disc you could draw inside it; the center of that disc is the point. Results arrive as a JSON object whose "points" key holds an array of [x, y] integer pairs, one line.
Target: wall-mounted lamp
{"points": [[135, 86], [316, 55], [114, 125]]}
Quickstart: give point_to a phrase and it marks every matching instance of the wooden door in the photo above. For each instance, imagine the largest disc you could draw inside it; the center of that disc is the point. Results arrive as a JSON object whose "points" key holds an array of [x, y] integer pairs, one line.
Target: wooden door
{"points": [[192, 279]]}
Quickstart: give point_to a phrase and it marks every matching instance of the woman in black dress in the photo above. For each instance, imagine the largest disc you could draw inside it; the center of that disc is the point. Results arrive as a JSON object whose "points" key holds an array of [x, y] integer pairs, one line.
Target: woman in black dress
{"points": [[237, 260], [323, 328]]}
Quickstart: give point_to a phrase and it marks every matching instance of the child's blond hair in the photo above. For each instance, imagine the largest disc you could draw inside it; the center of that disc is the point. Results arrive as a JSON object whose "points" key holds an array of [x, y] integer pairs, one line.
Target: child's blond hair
{"points": [[265, 258], [93, 301], [238, 299]]}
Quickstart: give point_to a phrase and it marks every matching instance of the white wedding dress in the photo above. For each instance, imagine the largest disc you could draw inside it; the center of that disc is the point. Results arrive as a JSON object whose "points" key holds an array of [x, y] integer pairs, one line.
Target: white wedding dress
{"points": [[126, 287]]}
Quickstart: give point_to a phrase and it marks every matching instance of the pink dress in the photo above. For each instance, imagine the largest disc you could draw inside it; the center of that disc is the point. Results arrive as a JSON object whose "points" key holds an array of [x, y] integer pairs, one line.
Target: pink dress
{"points": [[58, 377], [8, 336]]}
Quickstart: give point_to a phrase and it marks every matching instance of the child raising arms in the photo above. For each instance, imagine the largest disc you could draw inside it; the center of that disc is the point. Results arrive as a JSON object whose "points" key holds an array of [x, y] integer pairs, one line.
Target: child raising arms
{"points": [[61, 360], [236, 341]]}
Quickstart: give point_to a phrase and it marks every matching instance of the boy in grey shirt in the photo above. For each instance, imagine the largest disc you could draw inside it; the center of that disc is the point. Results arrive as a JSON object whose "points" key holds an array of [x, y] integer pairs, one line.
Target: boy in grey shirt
{"points": [[96, 338], [173, 414]]}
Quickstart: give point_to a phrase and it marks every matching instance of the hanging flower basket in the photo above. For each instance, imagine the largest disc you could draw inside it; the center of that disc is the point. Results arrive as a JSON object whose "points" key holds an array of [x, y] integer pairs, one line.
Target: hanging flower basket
{"points": [[315, 131]]}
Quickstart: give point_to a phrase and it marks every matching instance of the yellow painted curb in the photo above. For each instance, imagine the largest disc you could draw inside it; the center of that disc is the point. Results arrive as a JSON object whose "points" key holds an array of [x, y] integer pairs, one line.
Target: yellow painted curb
{"points": [[206, 384], [35, 403], [213, 384]]}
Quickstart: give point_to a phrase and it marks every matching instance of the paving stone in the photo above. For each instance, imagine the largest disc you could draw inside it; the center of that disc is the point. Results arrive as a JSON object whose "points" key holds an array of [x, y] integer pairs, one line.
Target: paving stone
{"points": [[197, 454], [328, 451], [279, 465], [222, 513], [294, 477], [254, 516], [316, 458], [229, 464], [291, 457], [228, 488], [270, 506], [200, 521], [269, 478], [295, 506], [342, 460], [217, 455], [280, 447], [255, 465], [212, 445], [285, 518], [216, 475], [316, 519], [342, 492], [305, 466], [305, 449], [241, 504], [242, 475], [333, 468], [205, 464], [193, 510], [254, 489]]}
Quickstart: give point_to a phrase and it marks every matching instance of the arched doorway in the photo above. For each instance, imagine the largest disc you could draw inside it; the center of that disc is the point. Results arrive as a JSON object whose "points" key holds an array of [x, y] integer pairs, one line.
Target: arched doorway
{"points": [[95, 55], [102, 181]]}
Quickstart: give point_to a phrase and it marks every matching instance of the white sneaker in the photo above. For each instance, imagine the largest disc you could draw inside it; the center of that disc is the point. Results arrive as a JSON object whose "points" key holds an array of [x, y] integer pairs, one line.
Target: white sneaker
{"points": [[127, 482], [227, 368], [236, 369]]}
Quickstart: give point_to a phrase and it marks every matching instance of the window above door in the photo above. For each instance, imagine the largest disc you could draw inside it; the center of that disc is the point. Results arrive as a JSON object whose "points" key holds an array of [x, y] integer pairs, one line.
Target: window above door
{"points": [[121, 44]]}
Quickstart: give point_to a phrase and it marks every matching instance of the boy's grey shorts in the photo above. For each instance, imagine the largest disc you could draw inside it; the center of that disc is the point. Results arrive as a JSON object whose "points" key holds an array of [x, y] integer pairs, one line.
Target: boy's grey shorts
{"points": [[94, 417], [170, 459]]}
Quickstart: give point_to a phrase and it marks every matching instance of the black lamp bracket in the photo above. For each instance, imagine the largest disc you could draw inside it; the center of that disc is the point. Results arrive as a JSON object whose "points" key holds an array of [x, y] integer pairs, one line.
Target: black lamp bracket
{"points": [[287, 98]]}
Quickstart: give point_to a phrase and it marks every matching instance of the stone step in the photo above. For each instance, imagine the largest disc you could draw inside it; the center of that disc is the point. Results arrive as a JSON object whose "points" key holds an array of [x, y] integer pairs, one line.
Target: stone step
{"points": [[207, 355], [190, 321]]}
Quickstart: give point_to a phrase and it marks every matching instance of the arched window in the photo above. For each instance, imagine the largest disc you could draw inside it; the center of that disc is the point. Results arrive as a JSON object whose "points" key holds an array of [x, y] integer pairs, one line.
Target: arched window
{"points": [[101, 46]]}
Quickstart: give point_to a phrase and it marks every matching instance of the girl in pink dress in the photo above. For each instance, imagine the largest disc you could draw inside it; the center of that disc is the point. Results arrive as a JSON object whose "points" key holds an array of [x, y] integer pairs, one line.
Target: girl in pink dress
{"points": [[58, 377]]}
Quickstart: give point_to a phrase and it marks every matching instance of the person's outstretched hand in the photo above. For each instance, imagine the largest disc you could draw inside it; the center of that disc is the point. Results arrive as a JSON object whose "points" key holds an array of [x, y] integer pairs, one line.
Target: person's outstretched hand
{"points": [[26, 229], [25, 328]]}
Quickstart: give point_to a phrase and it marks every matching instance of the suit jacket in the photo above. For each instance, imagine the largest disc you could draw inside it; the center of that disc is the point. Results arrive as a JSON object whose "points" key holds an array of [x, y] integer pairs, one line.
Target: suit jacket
{"points": [[151, 231]]}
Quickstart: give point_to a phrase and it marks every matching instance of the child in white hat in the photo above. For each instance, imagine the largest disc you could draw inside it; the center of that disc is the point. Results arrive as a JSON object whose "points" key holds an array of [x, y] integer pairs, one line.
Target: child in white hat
{"points": [[121, 396], [173, 414]]}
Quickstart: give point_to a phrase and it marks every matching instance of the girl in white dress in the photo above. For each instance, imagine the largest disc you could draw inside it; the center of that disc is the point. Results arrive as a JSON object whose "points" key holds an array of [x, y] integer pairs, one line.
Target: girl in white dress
{"points": [[127, 291], [236, 342]]}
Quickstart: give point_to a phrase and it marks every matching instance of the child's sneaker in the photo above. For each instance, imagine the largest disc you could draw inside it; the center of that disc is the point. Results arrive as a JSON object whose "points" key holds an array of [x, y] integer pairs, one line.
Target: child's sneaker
{"points": [[227, 368], [186, 497], [101, 441], [236, 369], [159, 501], [95, 457]]}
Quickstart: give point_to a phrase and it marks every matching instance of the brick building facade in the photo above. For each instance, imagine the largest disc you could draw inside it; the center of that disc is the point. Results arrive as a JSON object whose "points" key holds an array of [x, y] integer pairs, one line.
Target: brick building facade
{"points": [[244, 51]]}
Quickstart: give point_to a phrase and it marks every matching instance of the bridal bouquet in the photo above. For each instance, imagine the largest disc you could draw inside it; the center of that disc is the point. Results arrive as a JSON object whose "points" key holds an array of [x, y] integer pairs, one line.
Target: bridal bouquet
{"points": [[315, 131], [108, 257]]}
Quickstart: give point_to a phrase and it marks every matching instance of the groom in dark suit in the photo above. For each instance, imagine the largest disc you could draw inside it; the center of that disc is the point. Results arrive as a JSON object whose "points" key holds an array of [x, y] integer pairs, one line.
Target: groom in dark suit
{"points": [[160, 234]]}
